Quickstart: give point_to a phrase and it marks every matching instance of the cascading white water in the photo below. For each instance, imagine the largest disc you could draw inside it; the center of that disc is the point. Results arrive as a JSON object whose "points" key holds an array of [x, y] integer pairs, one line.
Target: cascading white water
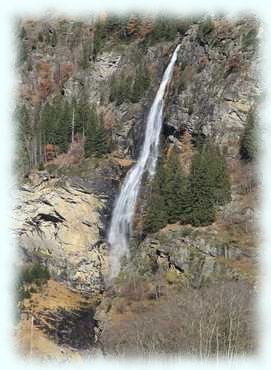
{"points": [[123, 213]]}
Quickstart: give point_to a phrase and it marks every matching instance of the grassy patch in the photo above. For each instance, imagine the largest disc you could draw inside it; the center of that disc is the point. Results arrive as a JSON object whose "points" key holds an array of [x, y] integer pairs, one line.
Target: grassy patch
{"points": [[30, 280]]}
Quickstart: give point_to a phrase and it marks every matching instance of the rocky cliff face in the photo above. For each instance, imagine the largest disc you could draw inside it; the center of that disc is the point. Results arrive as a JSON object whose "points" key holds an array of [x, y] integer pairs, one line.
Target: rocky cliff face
{"points": [[63, 222], [63, 212], [216, 84], [59, 224]]}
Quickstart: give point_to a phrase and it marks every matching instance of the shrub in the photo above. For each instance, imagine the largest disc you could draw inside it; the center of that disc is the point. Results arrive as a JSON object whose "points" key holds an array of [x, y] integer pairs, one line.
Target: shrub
{"points": [[34, 274], [41, 167], [187, 231], [172, 276], [206, 322], [23, 294]]}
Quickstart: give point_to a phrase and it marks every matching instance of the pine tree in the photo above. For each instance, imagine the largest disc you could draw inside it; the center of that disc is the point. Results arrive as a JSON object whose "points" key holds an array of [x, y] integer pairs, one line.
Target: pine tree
{"points": [[101, 140], [99, 39], [113, 89], [120, 90], [156, 216], [176, 198], [174, 189], [63, 129], [23, 52], [218, 174], [202, 191], [53, 38], [112, 23], [248, 144], [164, 29], [83, 114], [25, 134], [55, 124], [23, 34], [48, 123], [96, 136], [85, 54], [141, 83], [91, 125]]}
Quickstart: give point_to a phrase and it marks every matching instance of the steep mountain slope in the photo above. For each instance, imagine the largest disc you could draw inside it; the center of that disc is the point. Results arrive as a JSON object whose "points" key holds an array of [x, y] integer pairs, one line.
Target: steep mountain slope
{"points": [[70, 172]]}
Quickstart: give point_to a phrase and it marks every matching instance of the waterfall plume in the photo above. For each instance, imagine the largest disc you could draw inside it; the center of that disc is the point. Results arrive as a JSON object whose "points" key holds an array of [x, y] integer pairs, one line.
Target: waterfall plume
{"points": [[124, 209]]}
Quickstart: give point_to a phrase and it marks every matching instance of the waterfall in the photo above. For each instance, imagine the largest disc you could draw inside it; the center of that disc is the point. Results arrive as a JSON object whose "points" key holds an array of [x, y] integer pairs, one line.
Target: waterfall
{"points": [[123, 213]]}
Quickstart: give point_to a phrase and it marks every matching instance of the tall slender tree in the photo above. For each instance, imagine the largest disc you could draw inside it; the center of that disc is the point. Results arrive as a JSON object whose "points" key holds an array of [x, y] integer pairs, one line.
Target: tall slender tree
{"points": [[218, 174], [141, 83], [202, 191], [249, 140], [156, 216], [174, 189]]}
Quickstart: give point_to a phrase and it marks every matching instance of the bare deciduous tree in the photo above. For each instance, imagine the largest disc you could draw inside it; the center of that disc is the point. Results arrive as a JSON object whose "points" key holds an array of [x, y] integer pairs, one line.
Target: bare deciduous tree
{"points": [[212, 321]]}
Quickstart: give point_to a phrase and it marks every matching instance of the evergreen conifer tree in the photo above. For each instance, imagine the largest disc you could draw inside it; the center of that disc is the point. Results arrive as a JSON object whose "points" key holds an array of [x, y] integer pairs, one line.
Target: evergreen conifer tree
{"points": [[202, 191], [248, 144], [92, 122], [23, 34], [99, 39], [120, 89], [141, 83], [55, 124], [156, 217], [53, 38], [85, 55], [48, 123], [96, 136], [101, 141], [218, 174], [174, 189], [63, 129], [25, 134]]}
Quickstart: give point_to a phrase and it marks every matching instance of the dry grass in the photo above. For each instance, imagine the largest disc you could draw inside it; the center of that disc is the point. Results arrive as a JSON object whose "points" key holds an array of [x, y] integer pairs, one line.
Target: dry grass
{"points": [[32, 342], [30, 339], [218, 320]]}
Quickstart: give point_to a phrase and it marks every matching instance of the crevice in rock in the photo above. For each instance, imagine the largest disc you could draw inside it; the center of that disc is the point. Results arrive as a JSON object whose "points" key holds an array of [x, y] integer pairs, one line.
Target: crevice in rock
{"points": [[87, 223], [175, 266], [168, 130], [45, 201], [48, 217]]}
